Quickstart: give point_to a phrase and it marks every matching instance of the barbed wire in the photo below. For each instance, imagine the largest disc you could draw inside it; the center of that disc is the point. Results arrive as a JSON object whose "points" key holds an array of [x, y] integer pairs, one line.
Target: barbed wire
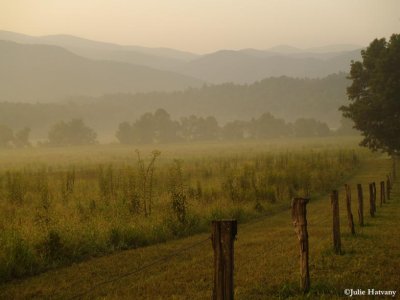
{"points": [[140, 269], [176, 253], [280, 244], [168, 257]]}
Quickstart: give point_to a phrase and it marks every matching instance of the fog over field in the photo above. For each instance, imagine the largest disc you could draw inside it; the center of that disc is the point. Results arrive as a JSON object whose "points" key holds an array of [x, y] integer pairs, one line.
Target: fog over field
{"points": [[133, 131], [248, 60], [60, 77]]}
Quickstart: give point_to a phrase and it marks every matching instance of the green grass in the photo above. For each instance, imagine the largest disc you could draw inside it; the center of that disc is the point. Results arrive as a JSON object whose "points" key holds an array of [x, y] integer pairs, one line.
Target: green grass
{"points": [[266, 259], [54, 214], [121, 154], [266, 249]]}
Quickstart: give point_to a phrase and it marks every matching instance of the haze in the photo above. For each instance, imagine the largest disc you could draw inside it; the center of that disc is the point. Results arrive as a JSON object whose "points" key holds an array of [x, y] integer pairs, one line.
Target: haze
{"points": [[207, 25]]}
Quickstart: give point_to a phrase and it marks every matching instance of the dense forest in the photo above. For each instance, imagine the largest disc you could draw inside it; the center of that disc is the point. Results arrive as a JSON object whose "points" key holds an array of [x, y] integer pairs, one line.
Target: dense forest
{"points": [[284, 97], [159, 127]]}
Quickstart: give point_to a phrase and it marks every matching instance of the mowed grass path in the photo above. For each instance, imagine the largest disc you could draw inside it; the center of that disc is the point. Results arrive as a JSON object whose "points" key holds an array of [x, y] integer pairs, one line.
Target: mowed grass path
{"points": [[266, 258]]}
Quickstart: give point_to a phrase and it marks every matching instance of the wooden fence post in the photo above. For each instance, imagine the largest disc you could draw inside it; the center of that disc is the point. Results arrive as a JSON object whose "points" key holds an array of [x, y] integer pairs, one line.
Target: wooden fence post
{"points": [[388, 186], [336, 222], [299, 218], [374, 193], [371, 200], [383, 198], [348, 206], [223, 237], [360, 205]]}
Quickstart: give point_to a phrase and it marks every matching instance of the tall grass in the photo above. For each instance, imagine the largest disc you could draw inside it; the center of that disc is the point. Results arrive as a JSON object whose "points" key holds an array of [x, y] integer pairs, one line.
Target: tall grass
{"points": [[55, 215]]}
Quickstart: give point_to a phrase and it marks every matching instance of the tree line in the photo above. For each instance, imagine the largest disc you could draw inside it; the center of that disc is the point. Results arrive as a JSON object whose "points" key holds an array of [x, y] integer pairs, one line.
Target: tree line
{"points": [[285, 97], [159, 127]]}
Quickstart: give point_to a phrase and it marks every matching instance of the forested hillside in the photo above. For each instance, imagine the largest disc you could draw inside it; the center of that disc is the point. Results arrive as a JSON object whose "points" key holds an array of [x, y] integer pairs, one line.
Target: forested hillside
{"points": [[287, 98]]}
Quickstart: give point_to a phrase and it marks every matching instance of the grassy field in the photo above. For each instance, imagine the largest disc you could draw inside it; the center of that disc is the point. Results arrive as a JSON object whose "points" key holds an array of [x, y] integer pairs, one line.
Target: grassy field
{"points": [[266, 249], [59, 207], [120, 154]]}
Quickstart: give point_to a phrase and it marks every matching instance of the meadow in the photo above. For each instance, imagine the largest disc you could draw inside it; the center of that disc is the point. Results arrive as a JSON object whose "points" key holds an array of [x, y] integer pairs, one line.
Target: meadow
{"points": [[63, 205]]}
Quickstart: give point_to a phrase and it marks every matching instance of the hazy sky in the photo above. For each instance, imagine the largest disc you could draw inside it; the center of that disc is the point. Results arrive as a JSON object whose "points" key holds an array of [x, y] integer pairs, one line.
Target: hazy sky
{"points": [[207, 25]]}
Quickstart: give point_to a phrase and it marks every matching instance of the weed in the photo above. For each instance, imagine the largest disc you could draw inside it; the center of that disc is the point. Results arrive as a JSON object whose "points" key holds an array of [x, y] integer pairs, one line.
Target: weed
{"points": [[15, 187], [178, 193]]}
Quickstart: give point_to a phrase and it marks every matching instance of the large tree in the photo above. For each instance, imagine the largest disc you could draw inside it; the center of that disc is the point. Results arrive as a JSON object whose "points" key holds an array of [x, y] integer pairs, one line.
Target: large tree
{"points": [[375, 95]]}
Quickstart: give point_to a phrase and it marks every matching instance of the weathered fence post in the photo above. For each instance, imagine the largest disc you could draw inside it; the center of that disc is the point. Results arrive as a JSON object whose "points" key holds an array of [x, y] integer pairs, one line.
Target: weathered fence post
{"points": [[374, 193], [299, 218], [336, 222], [371, 200], [348, 206], [223, 237], [388, 186], [360, 205], [383, 198]]}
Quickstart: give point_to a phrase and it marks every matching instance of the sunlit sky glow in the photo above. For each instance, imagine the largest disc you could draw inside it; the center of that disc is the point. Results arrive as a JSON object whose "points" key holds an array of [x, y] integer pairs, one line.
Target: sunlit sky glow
{"points": [[207, 25]]}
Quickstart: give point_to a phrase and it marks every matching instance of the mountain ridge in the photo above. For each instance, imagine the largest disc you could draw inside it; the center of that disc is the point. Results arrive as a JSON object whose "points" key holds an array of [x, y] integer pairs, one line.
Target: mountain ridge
{"points": [[50, 73], [238, 66], [175, 70]]}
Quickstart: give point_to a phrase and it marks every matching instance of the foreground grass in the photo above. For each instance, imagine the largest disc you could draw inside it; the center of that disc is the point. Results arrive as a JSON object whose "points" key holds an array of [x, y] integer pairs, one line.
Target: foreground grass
{"points": [[53, 214], [266, 259]]}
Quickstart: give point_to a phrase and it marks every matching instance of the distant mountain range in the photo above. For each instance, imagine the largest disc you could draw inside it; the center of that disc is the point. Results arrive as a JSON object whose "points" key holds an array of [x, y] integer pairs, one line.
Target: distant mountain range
{"points": [[48, 73], [49, 68], [247, 66], [159, 58]]}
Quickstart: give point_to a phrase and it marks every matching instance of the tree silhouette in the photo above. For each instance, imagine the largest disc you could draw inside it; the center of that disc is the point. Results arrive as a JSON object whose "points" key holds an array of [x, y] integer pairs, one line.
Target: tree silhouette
{"points": [[74, 132], [375, 95]]}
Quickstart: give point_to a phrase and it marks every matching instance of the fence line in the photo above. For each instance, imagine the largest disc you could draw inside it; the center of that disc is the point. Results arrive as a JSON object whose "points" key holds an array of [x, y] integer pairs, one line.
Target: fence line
{"points": [[178, 252], [310, 224]]}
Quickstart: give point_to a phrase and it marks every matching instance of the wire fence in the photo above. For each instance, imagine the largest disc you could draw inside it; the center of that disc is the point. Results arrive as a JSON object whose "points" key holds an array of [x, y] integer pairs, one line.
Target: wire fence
{"points": [[281, 243], [140, 269]]}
